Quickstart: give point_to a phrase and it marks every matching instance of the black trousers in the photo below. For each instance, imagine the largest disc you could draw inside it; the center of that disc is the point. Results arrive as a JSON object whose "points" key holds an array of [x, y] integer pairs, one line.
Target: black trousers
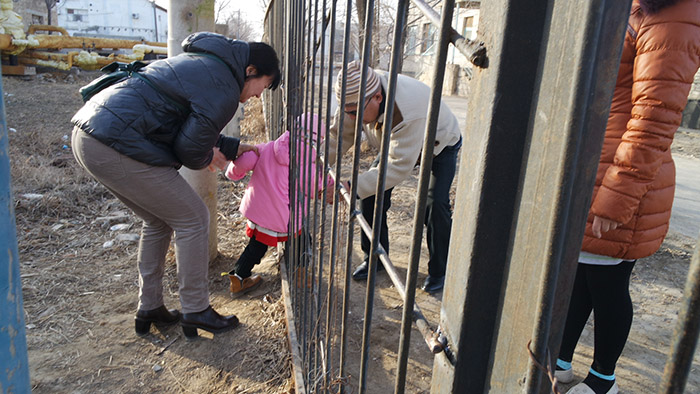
{"points": [[438, 213], [604, 289]]}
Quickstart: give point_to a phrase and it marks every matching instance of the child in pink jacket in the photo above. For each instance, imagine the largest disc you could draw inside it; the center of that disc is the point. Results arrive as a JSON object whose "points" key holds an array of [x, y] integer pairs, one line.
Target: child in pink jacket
{"points": [[266, 200]]}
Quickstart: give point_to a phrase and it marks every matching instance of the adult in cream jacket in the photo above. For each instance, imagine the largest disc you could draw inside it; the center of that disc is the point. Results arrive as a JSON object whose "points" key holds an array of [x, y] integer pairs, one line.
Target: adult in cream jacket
{"points": [[406, 142]]}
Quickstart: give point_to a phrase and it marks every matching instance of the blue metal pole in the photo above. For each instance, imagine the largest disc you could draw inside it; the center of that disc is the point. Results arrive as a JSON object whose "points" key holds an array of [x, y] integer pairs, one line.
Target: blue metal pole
{"points": [[14, 365]]}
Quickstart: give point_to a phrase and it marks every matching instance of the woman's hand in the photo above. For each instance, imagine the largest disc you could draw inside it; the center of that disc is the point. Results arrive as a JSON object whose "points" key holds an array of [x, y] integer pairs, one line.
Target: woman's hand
{"points": [[243, 148], [603, 225], [218, 161]]}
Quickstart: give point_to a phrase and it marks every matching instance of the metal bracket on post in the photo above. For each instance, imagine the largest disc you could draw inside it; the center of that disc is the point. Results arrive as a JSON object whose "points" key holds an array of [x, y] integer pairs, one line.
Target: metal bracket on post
{"points": [[442, 340], [475, 51]]}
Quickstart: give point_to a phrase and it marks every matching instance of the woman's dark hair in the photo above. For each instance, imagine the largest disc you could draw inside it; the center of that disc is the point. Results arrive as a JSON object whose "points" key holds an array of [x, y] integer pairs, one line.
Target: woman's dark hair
{"points": [[264, 58]]}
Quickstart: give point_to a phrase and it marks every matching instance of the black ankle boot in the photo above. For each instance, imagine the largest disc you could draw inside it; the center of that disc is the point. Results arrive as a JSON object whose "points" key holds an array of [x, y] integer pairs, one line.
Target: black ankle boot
{"points": [[362, 270], [159, 316], [433, 284], [208, 320]]}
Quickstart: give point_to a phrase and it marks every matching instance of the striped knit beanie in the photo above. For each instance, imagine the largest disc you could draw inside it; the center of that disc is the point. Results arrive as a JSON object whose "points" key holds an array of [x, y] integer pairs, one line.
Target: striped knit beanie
{"points": [[352, 90]]}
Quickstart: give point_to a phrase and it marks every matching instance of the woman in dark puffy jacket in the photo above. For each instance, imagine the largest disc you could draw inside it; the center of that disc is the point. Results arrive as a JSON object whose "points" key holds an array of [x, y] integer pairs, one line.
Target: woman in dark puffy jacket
{"points": [[633, 195], [133, 137]]}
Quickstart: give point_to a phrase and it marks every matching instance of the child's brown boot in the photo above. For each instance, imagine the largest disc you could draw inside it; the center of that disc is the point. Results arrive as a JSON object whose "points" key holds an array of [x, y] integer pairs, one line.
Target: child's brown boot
{"points": [[241, 286]]}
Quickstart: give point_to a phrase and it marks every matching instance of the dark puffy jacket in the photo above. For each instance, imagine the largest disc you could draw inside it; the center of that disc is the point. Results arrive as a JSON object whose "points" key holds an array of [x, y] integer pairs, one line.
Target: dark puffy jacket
{"points": [[636, 175], [144, 123]]}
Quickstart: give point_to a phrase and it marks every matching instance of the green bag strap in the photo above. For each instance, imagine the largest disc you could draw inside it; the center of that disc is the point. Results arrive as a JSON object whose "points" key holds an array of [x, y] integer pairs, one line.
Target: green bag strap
{"points": [[116, 71], [133, 70]]}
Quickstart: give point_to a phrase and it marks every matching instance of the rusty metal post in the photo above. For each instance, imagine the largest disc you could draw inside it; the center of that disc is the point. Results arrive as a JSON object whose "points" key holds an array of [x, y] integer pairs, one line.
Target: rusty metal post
{"points": [[184, 18], [524, 201], [685, 336]]}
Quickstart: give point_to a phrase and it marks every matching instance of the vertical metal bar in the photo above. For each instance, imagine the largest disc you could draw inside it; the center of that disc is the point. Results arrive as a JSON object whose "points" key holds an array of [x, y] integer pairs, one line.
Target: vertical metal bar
{"points": [[379, 197], [304, 172], [14, 364], [334, 214], [274, 35], [289, 95], [301, 270], [685, 336], [318, 249], [424, 181], [313, 185], [336, 200], [291, 99]]}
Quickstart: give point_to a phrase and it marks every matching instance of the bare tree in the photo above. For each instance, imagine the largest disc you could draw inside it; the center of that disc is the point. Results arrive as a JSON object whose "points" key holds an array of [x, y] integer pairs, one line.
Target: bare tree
{"points": [[382, 30], [50, 4], [221, 6], [239, 28], [361, 8]]}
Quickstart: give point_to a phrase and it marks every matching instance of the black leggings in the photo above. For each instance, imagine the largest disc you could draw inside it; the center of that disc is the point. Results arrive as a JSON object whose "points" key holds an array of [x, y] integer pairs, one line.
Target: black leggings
{"points": [[605, 290], [253, 253]]}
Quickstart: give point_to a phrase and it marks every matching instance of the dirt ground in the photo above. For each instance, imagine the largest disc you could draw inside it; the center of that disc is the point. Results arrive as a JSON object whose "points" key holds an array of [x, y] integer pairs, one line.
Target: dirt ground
{"points": [[80, 283]]}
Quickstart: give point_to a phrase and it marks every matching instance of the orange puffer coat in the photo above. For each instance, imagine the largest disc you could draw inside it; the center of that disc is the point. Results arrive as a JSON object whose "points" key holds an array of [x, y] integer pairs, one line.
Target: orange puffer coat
{"points": [[636, 175]]}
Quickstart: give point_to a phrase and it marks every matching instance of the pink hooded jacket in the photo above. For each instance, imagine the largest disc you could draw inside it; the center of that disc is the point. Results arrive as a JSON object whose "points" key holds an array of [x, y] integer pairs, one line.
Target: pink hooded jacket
{"points": [[266, 199]]}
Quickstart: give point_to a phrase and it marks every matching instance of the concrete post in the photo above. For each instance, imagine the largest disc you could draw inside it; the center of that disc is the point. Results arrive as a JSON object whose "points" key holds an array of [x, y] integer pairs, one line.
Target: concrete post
{"points": [[14, 365], [184, 18], [512, 258]]}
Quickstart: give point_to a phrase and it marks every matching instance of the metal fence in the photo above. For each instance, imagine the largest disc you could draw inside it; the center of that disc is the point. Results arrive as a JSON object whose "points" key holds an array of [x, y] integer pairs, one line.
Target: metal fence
{"points": [[494, 246]]}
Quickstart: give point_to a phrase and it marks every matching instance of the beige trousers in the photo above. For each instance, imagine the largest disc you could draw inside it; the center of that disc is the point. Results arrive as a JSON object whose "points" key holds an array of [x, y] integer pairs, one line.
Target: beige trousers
{"points": [[167, 204]]}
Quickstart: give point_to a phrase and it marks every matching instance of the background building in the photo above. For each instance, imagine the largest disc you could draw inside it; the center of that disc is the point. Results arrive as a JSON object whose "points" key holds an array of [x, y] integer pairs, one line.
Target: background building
{"points": [[128, 19], [421, 40]]}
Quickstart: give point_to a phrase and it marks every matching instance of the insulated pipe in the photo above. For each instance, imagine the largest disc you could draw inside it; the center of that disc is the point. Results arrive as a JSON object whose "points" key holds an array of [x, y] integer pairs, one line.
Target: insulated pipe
{"points": [[46, 41], [184, 18]]}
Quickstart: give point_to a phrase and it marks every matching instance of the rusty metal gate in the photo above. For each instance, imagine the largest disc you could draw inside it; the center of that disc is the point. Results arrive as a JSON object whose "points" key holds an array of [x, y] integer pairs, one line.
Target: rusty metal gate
{"points": [[523, 124]]}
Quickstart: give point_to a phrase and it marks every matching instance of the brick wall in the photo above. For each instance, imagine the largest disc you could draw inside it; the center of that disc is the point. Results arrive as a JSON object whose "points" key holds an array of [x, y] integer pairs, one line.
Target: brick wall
{"points": [[34, 12]]}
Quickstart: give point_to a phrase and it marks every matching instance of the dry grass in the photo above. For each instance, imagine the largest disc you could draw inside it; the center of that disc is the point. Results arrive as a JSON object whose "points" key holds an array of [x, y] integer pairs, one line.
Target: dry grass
{"points": [[253, 124], [80, 295]]}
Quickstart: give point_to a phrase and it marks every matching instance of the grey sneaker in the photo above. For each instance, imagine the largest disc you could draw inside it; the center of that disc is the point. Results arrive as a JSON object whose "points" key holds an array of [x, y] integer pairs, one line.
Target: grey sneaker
{"points": [[564, 375]]}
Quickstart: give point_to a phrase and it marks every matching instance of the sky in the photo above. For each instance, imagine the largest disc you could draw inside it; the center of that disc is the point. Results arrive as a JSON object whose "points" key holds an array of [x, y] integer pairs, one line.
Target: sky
{"points": [[251, 10]]}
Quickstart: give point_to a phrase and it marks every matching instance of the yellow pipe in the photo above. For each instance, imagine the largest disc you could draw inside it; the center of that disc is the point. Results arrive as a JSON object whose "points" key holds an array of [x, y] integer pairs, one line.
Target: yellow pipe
{"points": [[60, 42], [63, 61], [59, 29], [7, 43]]}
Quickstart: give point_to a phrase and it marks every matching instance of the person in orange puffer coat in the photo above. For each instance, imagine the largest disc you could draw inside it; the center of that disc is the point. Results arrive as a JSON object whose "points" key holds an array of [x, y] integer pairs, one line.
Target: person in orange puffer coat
{"points": [[633, 195]]}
